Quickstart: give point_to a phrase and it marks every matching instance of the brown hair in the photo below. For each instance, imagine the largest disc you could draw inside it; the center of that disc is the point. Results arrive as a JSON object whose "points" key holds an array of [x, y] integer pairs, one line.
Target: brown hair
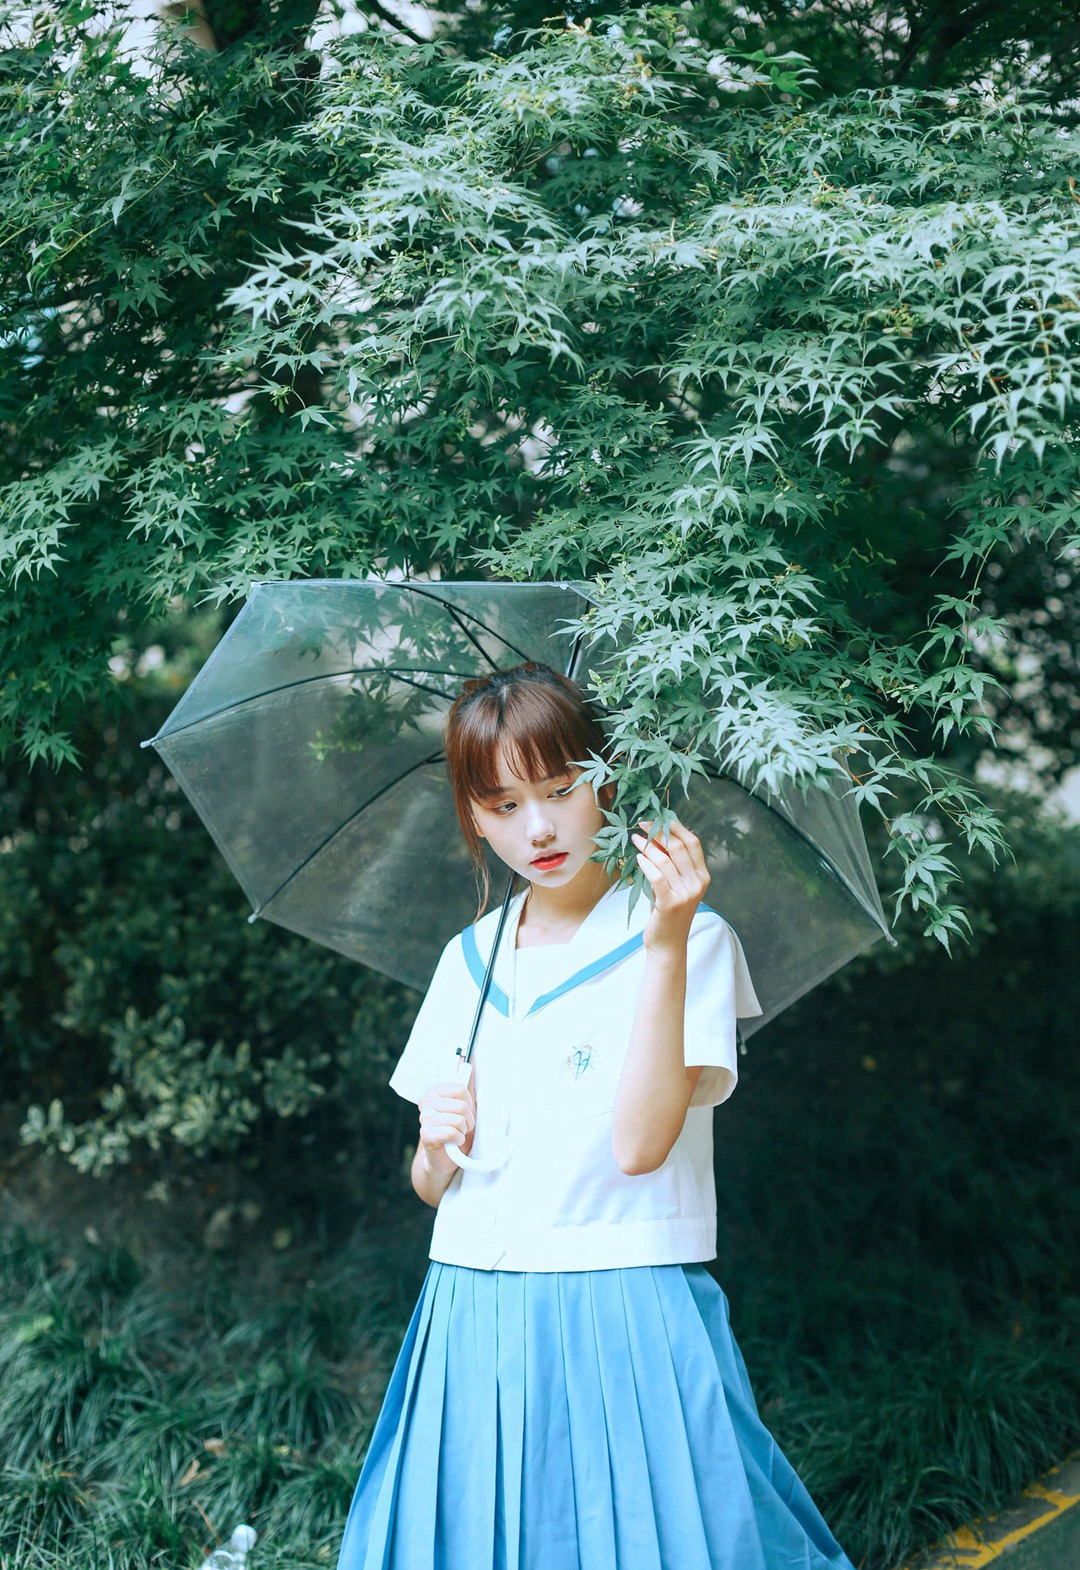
{"points": [[542, 718]]}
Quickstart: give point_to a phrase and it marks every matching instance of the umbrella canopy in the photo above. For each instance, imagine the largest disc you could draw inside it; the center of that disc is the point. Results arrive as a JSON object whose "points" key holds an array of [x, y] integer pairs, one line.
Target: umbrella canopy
{"points": [[310, 744]]}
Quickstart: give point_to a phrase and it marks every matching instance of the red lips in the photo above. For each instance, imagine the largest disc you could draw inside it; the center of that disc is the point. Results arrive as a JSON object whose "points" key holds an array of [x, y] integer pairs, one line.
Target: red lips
{"points": [[546, 863]]}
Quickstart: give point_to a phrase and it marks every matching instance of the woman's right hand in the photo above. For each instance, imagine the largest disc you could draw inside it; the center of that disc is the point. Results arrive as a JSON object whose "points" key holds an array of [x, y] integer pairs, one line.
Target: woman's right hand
{"points": [[447, 1117]]}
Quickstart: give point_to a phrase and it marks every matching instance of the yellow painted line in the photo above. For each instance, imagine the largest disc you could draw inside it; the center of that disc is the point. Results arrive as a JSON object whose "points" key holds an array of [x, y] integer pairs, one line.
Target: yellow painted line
{"points": [[968, 1549]]}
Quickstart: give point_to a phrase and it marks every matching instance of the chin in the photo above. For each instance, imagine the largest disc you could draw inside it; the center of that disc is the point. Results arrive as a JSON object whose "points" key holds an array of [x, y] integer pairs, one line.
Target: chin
{"points": [[567, 874]]}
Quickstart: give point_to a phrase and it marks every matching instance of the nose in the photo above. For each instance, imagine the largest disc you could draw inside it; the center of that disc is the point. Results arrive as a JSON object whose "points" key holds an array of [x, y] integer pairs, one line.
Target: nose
{"points": [[539, 824]]}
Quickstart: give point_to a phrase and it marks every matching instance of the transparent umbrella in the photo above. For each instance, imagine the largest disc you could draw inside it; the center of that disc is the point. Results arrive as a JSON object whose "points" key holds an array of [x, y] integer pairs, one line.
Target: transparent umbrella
{"points": [[310, 744]]}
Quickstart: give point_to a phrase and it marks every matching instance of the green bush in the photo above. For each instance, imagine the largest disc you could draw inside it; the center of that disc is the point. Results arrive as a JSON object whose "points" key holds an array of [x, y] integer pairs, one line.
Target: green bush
{"points": [[139, 1007]]}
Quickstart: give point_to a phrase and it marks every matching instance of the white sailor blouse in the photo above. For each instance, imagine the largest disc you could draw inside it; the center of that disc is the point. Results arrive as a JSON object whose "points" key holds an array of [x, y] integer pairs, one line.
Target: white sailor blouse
{"points": [[547, 1062]]}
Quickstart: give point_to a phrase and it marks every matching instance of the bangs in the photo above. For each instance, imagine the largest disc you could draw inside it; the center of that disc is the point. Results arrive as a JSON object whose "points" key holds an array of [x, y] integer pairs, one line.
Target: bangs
{"points": [[538, 728]]}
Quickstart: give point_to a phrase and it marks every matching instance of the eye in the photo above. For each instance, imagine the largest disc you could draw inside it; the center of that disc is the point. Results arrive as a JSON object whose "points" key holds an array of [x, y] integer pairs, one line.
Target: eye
{"points": [[564, 790], [503, 807]]}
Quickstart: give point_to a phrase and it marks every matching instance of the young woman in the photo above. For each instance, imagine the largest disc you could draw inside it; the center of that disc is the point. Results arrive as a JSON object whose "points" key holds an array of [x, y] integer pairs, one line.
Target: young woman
{"points": [[569, 1395]]}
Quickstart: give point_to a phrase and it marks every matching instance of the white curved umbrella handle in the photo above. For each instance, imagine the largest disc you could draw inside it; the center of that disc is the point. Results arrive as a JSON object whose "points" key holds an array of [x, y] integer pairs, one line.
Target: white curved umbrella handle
{"points": [[461, 1073]]}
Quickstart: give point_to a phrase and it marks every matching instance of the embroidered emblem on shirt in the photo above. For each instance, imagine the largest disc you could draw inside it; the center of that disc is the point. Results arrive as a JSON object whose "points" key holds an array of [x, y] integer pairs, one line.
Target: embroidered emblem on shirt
{"points": [[580, 1059]]}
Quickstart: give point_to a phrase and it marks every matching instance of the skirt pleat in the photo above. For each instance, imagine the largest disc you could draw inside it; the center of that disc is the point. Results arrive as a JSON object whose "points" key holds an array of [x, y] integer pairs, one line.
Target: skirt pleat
{"points": [[418, 1497], [548, 1522], [727, 1510], [798, 1538], [371, 1543], [577, 1420], [674, 1499], [467, 1455], [511, 1368], [636, 1525], [588, 1427]]}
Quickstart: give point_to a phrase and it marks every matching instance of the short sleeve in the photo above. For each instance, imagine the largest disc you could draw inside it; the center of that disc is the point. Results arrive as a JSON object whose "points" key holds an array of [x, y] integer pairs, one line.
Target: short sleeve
{"points": [[429, 1052], [718, 992]]}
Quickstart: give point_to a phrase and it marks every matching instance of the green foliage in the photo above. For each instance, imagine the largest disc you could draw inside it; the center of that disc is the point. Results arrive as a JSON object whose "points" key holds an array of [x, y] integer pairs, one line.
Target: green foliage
{"points": [[140, 1009], [609, 306], [932, 43], [853, 43]]}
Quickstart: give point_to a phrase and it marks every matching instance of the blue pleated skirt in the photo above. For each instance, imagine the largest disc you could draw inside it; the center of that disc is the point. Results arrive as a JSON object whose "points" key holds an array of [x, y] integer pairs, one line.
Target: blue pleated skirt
{"points": [[577, 1420]]}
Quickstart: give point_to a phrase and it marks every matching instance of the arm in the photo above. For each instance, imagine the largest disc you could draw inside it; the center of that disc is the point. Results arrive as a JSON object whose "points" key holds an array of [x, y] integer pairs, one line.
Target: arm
{"points": [[655, 1086], [447, 1110]]}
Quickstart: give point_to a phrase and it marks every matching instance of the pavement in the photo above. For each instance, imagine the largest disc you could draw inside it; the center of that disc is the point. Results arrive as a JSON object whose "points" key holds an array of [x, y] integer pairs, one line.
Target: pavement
{"points": [[1040, 1530]]}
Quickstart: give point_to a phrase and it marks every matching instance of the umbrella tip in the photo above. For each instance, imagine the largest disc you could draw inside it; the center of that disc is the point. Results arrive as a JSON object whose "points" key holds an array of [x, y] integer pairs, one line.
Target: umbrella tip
{"points": [[149, 743], [253, 917]]}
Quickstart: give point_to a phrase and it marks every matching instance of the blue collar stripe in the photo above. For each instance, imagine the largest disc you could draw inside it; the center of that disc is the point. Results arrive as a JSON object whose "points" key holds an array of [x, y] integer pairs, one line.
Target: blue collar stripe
{"points": [[629, 947], [496, 996]]}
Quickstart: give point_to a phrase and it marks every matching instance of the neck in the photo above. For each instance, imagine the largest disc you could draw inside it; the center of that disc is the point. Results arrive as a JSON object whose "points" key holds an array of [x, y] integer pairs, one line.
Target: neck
{"points": [[558, 909]]}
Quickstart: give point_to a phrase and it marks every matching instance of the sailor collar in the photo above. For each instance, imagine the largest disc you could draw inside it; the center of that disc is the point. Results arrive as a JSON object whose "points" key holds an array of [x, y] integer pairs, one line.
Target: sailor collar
{"points": [[610, 933]]}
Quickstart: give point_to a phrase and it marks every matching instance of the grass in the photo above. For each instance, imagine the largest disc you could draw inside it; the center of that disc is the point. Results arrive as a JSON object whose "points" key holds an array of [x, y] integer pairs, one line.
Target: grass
{"points": [[140, 1422]]}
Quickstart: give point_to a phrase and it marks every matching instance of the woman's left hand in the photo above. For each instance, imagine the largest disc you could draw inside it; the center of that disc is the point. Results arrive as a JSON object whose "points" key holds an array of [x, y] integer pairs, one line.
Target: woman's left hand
{"points": [[678, 877]]}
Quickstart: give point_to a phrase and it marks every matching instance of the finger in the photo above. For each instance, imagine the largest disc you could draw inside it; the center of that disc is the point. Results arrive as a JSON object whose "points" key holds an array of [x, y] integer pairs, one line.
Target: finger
{"points": [[649, 826], [653, 874], [679, 853], [649, 845], [662, 891], [443, 1106], [693, 845], [647, 830], [452, 1111], [684, 835], [439, 1142], [674, 846], [686, 854], [669, 869], [432, 1115], [451, 1096], [436, 1131], [654, 854], [680, 885]]}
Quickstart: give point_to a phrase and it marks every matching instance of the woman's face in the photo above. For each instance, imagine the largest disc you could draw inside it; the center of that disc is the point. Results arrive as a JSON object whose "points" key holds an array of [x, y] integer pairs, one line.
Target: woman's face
{"points": [[546, 830]]}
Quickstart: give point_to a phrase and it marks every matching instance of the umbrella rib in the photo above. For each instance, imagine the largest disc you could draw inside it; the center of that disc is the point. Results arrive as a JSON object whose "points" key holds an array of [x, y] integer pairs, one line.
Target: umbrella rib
{"points": [[304, 681], [855, 893], [452, 611], [436, 757], [456, 615]]}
